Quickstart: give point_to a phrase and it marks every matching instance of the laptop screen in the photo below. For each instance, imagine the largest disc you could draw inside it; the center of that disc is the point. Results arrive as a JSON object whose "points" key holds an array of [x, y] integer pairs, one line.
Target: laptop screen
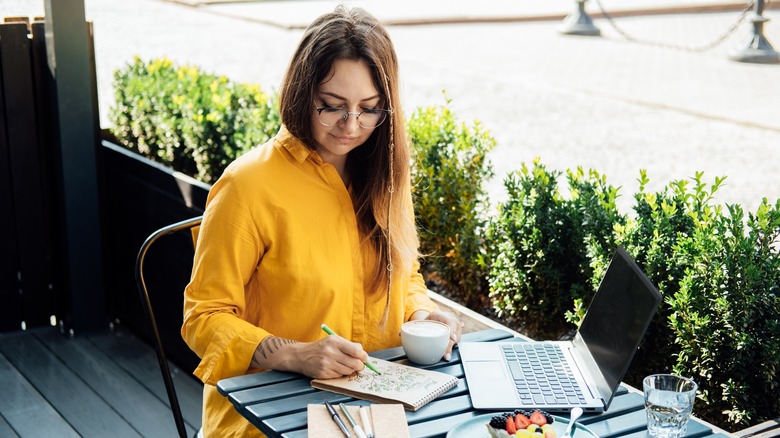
{"points": [[618, 317]]}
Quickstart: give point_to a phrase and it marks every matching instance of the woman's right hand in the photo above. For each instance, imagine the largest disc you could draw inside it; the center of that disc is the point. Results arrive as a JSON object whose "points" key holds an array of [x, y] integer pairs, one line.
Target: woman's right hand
{"points": [[330, 357]]}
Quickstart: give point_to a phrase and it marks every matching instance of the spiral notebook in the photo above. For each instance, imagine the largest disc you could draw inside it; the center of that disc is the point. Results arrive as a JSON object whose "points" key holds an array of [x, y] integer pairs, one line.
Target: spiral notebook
{"points": [[398, 383]]}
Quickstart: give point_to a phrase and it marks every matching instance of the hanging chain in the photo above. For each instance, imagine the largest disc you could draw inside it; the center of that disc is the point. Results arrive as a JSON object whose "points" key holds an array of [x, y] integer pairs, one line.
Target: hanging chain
{"points": [[703, 48]]}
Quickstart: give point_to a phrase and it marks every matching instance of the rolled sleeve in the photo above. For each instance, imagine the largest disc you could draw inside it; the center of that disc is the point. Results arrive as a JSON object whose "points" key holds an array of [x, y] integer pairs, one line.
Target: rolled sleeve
{"points": [[215, 325]]}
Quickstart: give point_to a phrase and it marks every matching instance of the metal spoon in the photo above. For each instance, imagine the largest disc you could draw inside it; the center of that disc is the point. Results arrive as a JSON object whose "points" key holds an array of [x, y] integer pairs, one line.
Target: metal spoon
{"points": [[575, 414]]}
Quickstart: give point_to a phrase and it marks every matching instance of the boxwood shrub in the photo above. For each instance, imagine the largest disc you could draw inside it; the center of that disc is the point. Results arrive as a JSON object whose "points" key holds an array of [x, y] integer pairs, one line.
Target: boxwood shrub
{"points": [[538, 257], [195, 122], [659, 221], [450, 201], [720, 276], [726, 314]]}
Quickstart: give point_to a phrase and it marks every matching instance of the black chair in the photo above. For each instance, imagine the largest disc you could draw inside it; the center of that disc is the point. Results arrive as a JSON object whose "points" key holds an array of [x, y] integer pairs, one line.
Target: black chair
{"points": [[188, 224]]}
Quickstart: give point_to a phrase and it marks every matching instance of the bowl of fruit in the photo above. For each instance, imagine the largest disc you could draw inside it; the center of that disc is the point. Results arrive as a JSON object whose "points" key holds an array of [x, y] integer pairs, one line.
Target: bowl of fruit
{"points": [[517, 424]]}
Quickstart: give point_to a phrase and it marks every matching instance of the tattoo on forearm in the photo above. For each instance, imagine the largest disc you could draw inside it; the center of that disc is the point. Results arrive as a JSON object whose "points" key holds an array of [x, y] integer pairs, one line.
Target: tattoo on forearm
{"points": [[261, 349], [272, 344]]}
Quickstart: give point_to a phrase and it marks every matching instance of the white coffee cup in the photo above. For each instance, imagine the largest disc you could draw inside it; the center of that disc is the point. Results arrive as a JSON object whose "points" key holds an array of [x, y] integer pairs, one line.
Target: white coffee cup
{"points": [[425, 341]]}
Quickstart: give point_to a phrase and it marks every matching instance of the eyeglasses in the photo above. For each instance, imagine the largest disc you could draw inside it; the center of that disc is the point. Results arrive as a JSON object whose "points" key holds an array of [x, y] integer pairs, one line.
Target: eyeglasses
{"points": [[370, 118]]}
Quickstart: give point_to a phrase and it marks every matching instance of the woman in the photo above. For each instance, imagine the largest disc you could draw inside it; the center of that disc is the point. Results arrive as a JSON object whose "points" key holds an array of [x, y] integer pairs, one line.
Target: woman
{"points": [[315, 226]]}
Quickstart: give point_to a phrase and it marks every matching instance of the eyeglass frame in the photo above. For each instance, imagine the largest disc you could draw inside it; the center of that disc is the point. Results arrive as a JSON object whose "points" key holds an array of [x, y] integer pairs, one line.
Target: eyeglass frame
{"points": [[320, 109]]}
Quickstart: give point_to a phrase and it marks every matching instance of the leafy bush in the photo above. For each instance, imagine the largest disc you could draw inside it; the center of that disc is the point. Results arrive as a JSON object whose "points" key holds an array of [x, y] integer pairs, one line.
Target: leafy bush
{"points": [[450, 166], [660, 220], [195, 122], [539, 263], [726, 314], [719, 274], [720, 277]]}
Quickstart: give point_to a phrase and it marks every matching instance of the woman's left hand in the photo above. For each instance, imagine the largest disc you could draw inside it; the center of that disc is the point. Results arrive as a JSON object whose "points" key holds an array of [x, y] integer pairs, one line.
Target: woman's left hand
{"points": [[456, 327]]}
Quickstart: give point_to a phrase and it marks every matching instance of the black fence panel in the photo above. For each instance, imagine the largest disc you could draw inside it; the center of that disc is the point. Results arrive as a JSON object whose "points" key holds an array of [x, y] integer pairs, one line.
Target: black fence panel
{"points": [[11, 311], [33, 222], [53, 202], [142, 197]]}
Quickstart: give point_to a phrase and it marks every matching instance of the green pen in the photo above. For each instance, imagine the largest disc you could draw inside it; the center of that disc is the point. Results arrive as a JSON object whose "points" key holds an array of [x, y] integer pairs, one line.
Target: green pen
{"points": [[368, 365]]}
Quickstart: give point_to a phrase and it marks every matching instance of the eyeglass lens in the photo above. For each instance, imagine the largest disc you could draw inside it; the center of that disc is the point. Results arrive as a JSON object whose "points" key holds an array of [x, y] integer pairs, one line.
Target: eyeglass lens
{"points": [[367, 118]]}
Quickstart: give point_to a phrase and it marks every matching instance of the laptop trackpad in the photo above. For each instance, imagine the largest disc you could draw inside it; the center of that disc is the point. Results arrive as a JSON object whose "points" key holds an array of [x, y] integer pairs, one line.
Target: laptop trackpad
{"points": [[488, 385]]}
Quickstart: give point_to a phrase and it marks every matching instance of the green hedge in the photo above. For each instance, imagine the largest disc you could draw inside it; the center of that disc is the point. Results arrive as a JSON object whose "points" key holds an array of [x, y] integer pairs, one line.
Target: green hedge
{"points": [[196, 122], [539, 265], [450, 167], [660, 220], [719, 273], [539, 256]]}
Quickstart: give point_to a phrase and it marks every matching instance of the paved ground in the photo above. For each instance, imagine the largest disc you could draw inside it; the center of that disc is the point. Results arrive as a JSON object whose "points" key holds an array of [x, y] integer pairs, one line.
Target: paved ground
{"points": [[599, 102]]}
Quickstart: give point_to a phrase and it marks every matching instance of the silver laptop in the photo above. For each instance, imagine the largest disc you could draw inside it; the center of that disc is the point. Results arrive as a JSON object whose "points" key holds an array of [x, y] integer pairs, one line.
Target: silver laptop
{"points": [[559, 375]]}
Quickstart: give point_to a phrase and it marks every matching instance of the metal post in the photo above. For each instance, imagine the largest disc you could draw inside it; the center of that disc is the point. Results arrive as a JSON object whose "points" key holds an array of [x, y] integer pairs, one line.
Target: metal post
{"points": [[579, 22], [756, 48]]}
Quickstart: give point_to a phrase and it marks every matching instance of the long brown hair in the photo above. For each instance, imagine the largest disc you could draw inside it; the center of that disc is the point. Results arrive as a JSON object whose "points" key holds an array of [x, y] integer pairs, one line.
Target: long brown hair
{"points": [[379, 169]]}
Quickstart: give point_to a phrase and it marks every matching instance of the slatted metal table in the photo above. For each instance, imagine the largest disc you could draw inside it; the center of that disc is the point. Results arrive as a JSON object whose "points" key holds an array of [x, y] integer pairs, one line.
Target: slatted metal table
{"points": [[275, 402]]}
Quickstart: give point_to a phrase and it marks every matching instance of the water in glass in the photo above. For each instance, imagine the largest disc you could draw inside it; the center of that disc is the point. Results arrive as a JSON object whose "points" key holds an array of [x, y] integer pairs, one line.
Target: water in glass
{"points": [[669, 404], [667, 414]]}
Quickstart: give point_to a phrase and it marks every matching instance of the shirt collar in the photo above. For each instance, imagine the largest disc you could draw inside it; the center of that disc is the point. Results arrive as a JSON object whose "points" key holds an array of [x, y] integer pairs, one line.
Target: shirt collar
{"points": [[295, 146]]}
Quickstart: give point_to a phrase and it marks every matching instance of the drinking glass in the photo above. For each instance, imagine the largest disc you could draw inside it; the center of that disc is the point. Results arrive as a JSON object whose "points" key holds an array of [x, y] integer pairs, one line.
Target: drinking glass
{"points": [[669, 403]]}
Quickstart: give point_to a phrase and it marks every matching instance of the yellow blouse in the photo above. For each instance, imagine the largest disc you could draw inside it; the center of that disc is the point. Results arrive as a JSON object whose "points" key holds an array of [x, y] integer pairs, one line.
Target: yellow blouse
{"points": [[279, 253]]}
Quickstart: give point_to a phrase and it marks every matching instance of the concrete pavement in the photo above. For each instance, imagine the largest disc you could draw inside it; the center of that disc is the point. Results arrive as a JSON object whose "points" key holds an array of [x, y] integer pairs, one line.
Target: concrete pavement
{"points": [[298, 14], [600, 102]]}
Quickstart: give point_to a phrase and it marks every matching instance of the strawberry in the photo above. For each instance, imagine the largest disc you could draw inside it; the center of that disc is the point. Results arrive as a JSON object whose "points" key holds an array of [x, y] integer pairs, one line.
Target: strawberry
{"points": [[537, 417], [510, 426], [521, 421]]}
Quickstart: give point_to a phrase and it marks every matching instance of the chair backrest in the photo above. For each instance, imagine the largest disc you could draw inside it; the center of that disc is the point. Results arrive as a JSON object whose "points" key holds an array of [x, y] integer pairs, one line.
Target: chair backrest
{"points": [[188, 224]]}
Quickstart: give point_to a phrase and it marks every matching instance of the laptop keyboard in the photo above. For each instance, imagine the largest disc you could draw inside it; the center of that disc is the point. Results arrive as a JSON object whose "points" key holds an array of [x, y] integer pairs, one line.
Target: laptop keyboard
{"points": [[541, 374]]}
